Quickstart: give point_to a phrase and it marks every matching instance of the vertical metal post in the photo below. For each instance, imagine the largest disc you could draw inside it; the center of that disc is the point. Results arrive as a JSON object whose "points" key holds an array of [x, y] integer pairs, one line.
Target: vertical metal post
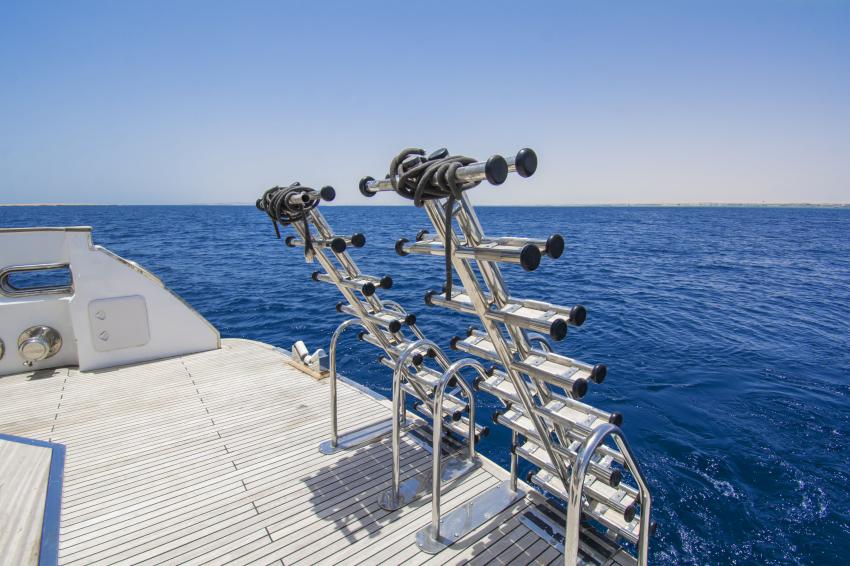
{"points": [[334, 339], [514, 463]]}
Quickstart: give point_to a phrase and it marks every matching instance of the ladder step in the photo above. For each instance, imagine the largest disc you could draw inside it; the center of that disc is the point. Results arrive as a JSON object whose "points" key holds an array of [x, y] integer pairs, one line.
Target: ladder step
{"points": [[453, 407], [362, 284], [390, 320], [619, 515], [600, 465], [335, 243], [528, 255]]}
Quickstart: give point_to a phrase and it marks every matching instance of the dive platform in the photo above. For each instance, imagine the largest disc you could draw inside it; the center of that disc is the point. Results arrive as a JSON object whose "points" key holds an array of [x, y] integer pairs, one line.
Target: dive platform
{"points": [[212, 458]]}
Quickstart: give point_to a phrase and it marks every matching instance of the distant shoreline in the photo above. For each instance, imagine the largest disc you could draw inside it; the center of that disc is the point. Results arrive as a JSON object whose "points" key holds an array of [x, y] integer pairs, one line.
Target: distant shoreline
{"points": [[574, 205]]}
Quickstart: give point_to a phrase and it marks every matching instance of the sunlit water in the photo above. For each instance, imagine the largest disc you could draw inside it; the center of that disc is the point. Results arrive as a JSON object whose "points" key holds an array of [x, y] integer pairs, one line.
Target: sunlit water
{"points": [[726, 331]]}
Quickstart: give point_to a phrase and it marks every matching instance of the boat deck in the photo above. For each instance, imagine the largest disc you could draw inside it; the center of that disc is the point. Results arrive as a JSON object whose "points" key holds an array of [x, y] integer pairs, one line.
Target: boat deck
{"points": [[212, 458]]}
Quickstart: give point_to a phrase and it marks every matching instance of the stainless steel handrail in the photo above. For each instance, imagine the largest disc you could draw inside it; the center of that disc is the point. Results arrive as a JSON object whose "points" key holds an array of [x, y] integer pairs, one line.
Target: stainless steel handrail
{"points": [[332, 371], [9, 290], [576, 486]]}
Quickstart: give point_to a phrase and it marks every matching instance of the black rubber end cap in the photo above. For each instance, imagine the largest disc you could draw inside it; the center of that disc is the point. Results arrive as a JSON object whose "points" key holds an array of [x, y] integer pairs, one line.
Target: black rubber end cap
{"points": [[616, 477], [470, 330], [418, 359], [432, 353], [490, 371], [528, 476], [428, 295], [579, 388], [598, 373], [381, 358], [441, 153], [339, 306], [616, 419], [476, 383], [456, 416], [394, 326], [361, 335], [386, 282], [496, 170], [338, 245], [410, 319], [555, 246], [529, 257], [525, 162], [496, 416], [288, 241], [315, 275], [363, 188], [327, 193], [453, 342], [399, 247], [452, 383], [558, 330], [578, 314], [629, 513], [368, 289], [484, 432], [421, 234], [653, 526], [358, 240]]}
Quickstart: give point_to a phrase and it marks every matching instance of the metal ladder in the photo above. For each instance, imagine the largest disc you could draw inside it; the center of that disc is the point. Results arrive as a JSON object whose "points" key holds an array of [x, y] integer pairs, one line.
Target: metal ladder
{"points": [[437, 391], [540, 389]]}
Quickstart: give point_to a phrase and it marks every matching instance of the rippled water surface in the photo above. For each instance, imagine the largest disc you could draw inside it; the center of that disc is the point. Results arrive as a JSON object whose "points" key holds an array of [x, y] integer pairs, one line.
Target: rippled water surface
{"points": [[726, 331]]}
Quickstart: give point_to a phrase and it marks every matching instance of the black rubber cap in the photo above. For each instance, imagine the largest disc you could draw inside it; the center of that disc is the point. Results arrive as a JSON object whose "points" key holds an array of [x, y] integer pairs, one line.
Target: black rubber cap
{"points": [[410, 319], [616, 419], [653, 526], [456, 416], [630, 512], [476, 383], [598, 373], [555, 246], [428, 295], [338, 245], [339, 306], [386, 282], [496, 415], [381, 358], [490, 371], [529, 257], [528, 475], [452, 383], [438, 154], [525, 162], [421, 234], [399, 247], [453, 342], [470, 330], [432, 353], [616, 477], [394, 326], [418, 359], [288, 241], [368, 289], [496, 169], [558, 330], [579, 388], [315, 275], [358, 240], [416, 405], [484, 432], [327, 193], [361, 335], [363, 190], [578, 314]]}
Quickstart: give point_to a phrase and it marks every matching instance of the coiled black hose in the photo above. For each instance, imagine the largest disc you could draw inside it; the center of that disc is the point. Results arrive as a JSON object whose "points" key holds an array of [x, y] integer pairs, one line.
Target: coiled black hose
{"points": [[284, 205], [421, 178]]}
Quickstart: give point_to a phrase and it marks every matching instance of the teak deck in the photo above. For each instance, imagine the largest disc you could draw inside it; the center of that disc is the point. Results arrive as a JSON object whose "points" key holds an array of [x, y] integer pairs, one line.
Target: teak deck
{"points": [[212, 458]]}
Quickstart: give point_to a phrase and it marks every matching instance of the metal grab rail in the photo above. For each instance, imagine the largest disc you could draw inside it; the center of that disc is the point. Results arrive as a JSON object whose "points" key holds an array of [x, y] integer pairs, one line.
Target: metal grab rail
{"points": [[332, 367], [576, 486], [438, 432]]}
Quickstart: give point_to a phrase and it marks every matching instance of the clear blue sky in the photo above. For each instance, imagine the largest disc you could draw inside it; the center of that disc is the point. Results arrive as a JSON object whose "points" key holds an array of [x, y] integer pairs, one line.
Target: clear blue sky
{"points": [[182, 101]]}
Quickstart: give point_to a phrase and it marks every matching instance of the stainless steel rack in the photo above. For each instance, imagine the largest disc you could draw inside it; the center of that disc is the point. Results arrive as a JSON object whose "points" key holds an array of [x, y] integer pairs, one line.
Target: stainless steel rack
{"points": [[540, 389], [421, 369]]}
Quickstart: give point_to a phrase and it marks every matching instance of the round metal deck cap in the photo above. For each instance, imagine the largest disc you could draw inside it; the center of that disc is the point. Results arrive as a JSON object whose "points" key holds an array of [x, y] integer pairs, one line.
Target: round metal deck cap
{"points": [[38, 343]]}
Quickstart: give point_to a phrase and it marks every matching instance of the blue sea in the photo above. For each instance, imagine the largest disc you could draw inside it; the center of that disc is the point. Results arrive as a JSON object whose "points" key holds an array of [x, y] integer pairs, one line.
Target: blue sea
{"points": [[726, 332]]}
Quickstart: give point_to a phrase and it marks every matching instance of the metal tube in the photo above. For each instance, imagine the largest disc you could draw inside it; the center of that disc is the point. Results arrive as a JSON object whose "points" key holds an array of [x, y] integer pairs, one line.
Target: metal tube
{"points": [[524, 163], [527, 256], [514, 463], [401, 367], [334, 339], [576, 487]]}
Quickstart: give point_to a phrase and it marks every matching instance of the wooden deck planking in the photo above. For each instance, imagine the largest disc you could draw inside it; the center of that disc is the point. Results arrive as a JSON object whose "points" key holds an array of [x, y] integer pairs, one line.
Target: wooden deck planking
{"points": [[212, 458]]}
